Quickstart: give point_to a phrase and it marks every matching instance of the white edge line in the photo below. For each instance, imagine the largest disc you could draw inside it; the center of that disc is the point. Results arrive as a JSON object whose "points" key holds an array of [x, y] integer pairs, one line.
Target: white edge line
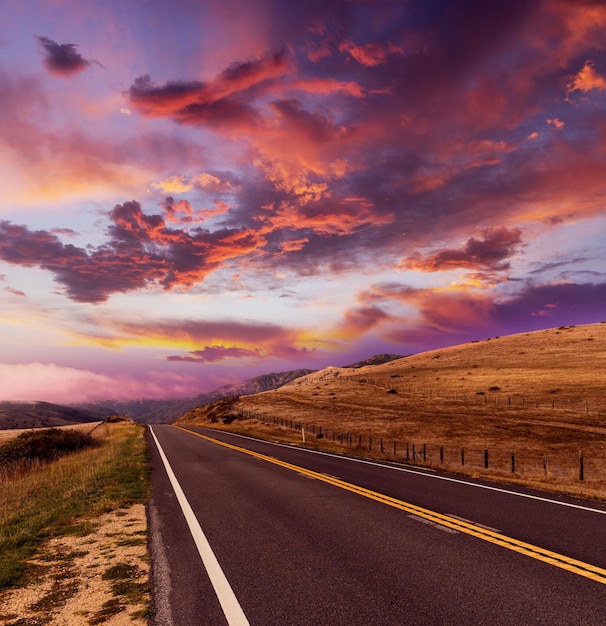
{"points": [[427, 474], [229, 603]]}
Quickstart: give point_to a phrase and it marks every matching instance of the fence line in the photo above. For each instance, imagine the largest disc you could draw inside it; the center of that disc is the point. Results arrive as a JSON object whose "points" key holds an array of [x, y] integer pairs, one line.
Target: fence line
{"points": [[431, 456]]}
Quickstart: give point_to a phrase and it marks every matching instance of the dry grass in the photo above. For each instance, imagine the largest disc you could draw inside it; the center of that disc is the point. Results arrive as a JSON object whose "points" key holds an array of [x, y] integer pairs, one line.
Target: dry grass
{"points": [[87, 427], [540, 396]]}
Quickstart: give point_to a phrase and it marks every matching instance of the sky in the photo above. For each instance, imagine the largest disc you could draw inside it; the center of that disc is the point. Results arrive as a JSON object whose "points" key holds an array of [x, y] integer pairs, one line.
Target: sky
{"points": [[197, 192]]}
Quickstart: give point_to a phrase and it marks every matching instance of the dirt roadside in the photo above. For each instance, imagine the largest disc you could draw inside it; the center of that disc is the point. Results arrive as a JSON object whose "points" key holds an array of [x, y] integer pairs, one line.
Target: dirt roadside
{"points": [[99, 578]]}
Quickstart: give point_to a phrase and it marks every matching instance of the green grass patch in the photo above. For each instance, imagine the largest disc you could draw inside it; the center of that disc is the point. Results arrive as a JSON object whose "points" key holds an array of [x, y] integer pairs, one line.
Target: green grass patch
{"points": [[62, 497]]}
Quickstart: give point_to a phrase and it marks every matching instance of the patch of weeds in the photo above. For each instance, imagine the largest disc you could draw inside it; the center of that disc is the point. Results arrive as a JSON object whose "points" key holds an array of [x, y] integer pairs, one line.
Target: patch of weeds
{"points": [[74, 554], [133, 541], [109, 609], [57, 596], [124, 583], [141, 614], [80, 529], [26, 621]]}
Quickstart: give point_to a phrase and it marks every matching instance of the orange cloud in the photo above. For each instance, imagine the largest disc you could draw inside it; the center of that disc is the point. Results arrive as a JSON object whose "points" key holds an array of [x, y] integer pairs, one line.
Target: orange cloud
{"points": [[293, 245], [208, 339], [370, 54], [329, 218], [557, 123], [324, 86], [586, 80]]}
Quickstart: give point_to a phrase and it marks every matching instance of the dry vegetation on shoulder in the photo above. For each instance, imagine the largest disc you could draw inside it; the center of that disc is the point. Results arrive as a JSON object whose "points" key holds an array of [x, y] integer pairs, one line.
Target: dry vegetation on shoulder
{"points": [[537, 397], [73, 538]]}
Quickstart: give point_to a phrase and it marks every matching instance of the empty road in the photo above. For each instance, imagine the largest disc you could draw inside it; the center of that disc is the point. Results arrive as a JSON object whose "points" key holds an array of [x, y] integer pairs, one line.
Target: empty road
{"points": [[251, 532]]}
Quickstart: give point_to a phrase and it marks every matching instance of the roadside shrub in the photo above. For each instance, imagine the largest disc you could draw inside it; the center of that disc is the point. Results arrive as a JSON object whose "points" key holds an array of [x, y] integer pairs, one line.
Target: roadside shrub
{"points": [[44, 445]]}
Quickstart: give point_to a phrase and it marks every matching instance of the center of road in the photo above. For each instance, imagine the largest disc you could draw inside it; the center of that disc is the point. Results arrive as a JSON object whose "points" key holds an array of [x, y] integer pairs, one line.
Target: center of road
{"points": [[581, 568]]}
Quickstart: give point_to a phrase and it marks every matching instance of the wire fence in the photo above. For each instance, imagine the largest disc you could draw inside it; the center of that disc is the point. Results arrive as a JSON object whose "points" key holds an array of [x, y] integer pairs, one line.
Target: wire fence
{"points": [[569, 464]]}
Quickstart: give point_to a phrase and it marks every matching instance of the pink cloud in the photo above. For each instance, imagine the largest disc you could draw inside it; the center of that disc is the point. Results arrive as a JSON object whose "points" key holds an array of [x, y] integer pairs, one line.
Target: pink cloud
{"points": [[372, 53], [67, 385]]}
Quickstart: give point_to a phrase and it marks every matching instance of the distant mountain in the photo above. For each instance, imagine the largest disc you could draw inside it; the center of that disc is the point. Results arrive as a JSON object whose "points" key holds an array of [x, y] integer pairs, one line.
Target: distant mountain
{"points": [[167, 411], [265, 382], [379, 359], [41, 414]]}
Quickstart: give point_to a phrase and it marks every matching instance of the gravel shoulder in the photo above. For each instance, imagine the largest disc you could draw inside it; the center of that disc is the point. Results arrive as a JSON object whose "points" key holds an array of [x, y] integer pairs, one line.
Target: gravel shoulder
{"points": [[101, 577]]}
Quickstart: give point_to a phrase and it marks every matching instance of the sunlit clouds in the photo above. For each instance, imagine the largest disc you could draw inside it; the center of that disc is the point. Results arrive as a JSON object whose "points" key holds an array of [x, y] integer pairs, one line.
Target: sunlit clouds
{"points": [[204, 194]]}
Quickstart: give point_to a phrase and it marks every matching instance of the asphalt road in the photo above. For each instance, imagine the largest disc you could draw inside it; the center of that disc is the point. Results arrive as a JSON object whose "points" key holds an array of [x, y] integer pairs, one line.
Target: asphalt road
{"points": [[307, 538]]}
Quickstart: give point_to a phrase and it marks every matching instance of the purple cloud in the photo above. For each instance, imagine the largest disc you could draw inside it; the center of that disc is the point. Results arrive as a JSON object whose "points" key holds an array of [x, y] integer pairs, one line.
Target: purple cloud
{"points": [[62, 59], [212, 354]]}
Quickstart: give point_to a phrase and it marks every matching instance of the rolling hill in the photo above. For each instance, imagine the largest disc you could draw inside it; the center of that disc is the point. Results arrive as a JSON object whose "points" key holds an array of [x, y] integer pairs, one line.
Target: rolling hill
{"points": [[41, 414], [535, 397]]}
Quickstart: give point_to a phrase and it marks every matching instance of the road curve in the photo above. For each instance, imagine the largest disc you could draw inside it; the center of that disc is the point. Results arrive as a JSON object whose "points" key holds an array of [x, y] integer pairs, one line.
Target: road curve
{"points": [[297, 547]]}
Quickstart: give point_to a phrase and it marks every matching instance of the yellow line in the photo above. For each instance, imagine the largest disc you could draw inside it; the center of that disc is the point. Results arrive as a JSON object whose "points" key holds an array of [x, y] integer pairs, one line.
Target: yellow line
{"points": [[547, 556]]}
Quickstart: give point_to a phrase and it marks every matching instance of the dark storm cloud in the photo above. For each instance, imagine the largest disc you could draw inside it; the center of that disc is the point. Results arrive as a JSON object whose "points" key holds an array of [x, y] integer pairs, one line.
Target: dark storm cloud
{"points": [[62, 59]]}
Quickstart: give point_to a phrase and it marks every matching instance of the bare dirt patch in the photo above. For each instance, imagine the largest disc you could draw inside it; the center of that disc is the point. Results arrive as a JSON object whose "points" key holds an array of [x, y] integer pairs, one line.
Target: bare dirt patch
{"points": [[100, 577]]}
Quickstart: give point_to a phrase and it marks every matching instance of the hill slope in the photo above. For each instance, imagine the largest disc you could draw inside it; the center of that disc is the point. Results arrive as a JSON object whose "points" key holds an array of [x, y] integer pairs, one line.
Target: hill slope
{"points": [[41, 414], [539, 395]]}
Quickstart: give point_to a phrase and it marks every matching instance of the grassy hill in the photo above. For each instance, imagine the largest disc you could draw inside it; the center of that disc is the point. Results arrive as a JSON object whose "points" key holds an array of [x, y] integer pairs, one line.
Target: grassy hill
{"points": [[538, 396], [41, 414]]}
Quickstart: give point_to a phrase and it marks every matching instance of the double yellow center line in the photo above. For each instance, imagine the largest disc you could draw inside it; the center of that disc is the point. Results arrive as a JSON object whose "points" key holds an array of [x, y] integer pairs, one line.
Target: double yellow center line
{"points": [[547, 556]]}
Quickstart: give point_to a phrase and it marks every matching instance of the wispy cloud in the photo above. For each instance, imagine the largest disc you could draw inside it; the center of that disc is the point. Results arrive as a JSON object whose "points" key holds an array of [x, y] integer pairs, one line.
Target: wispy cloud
{"points": [[212, 354]]}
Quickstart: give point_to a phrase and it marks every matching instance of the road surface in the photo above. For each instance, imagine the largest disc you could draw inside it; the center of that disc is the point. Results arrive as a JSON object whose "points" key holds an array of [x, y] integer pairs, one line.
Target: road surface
{"points": [[263, 534]]}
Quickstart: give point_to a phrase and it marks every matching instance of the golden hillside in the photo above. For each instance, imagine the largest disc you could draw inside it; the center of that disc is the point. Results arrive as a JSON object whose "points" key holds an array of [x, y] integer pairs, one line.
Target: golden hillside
{"points": [[538, 395]]}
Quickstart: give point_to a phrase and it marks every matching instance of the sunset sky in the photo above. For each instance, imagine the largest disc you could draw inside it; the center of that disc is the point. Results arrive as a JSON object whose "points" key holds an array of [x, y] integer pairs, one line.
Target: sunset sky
{"points": [[195, 192]]}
